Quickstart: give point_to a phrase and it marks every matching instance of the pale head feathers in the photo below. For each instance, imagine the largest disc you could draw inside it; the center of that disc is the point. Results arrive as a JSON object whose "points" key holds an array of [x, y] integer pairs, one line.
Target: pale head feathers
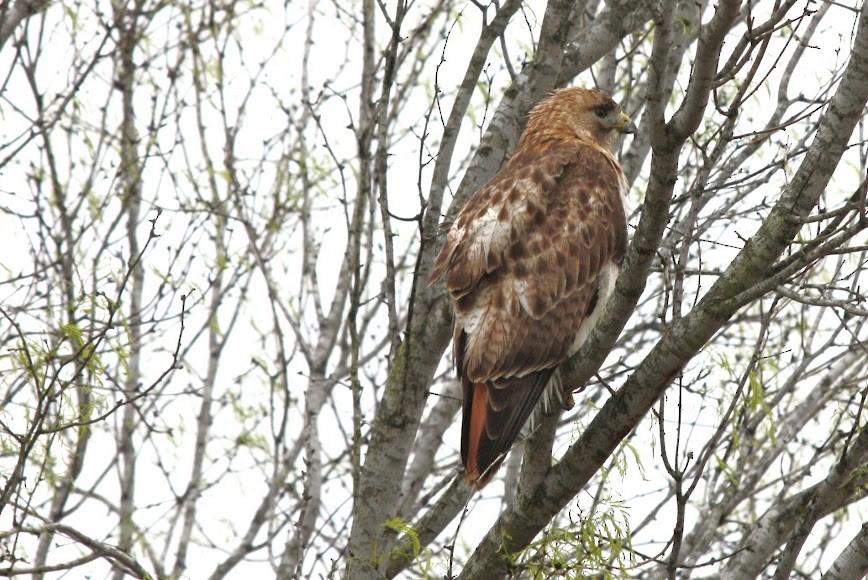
{"points": [[576, 113]]}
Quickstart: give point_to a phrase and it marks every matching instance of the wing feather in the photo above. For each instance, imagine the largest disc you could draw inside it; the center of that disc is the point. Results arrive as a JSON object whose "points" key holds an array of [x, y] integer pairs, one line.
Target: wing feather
{"points": [[497, 216]]}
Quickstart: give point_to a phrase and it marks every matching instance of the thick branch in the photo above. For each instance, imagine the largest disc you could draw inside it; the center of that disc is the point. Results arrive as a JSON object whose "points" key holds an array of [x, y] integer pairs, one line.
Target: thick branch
{"points": [[12, 17], [853, 561]]}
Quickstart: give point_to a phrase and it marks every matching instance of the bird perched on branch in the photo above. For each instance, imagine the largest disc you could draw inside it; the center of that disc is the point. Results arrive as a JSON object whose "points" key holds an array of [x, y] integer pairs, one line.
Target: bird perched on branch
{"points": [[529, 262]]}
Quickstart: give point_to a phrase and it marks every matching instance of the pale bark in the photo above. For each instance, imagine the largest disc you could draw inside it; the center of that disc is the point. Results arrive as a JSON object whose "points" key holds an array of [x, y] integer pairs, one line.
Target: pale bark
{"points": [[853, 560]]}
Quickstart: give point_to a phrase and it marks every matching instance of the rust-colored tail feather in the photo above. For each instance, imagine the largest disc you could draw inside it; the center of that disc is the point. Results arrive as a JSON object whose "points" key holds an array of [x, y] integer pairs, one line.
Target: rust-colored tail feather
{"points": [[494, 413], [475, 425]]}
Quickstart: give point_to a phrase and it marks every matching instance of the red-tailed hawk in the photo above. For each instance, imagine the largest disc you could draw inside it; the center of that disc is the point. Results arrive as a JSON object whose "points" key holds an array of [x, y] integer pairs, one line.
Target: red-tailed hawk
{"points": [[529, 262]]}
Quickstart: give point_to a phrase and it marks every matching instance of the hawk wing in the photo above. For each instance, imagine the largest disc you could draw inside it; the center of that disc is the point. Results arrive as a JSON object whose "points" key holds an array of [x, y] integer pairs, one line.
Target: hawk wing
{"points": [[531, 257]]}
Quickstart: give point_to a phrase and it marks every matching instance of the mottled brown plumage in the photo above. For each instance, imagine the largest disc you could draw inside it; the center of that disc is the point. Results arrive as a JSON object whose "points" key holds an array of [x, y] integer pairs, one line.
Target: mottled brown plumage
{"points": [[529, 262]]}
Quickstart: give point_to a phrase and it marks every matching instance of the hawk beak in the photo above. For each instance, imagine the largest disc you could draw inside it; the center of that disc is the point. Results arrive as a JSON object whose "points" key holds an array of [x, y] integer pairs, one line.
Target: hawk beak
{"points": [[625, 125]]}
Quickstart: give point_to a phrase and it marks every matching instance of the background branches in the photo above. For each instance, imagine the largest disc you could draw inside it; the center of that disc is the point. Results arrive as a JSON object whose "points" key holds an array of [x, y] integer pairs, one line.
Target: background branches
{"points": [[221, 355]]}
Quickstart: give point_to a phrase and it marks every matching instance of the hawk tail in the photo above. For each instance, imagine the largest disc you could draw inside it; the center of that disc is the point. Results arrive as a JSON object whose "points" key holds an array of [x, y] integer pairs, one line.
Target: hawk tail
{"points": [[494, 413]]}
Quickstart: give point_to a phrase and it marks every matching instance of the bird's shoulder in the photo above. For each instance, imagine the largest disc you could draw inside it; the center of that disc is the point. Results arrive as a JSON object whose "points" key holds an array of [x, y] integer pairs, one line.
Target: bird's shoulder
{"points": [[535, 175]]}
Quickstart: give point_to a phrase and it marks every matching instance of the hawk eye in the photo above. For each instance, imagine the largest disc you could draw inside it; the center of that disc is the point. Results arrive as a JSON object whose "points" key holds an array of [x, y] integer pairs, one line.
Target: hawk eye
{"points": [[601, 112]]}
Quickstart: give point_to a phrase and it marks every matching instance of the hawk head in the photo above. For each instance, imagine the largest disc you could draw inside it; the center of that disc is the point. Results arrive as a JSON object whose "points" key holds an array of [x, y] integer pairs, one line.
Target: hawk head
{"points": [[587, 114]]}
